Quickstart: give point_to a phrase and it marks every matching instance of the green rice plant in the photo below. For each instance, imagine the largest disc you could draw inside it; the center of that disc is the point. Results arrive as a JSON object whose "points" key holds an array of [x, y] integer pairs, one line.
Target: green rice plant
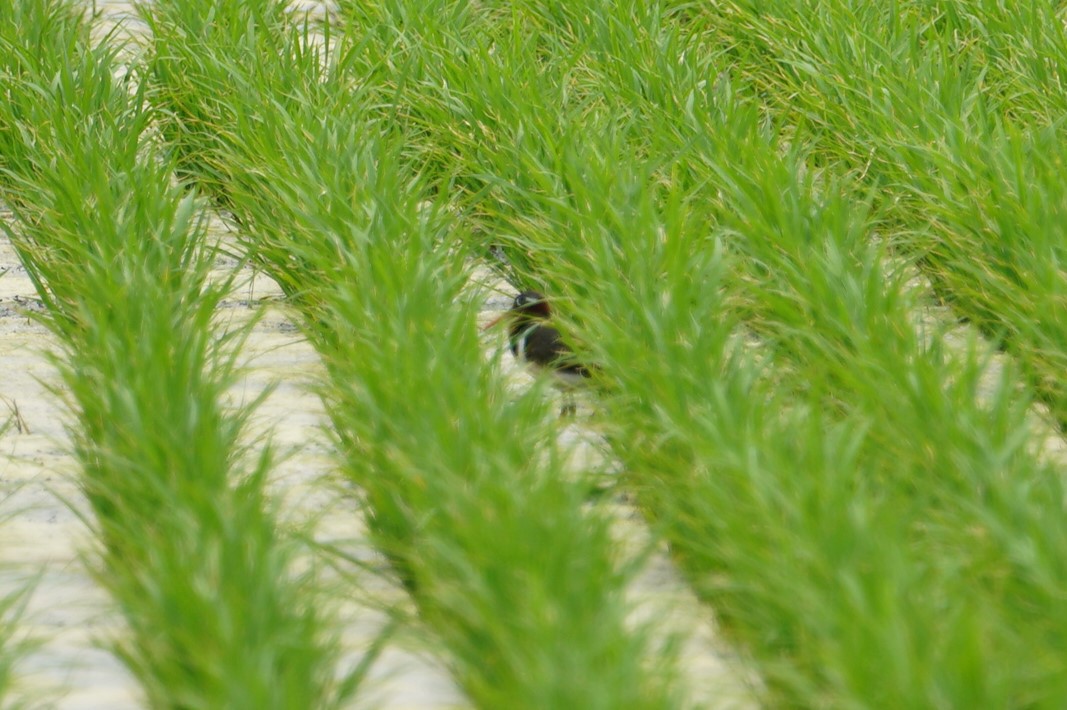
{"points": [[826, 301], [718, 197], [949, 110], [188, 545], [517, 580], [463, 488], [185, 80], [853, 440], [492, 97], [994, 242], [477, 94], [40, 41], [875, 61], [851, 499]]}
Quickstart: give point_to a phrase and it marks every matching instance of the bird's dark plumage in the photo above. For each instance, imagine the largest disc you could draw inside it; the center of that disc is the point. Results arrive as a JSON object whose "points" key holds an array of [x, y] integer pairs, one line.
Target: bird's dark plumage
{"points": [[533, 341]]}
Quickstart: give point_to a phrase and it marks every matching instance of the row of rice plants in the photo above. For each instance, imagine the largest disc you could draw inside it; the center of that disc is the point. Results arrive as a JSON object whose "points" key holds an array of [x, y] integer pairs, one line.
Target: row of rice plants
{"points": [[464, 488], [187, 544], [863, 508], [952, 112], [955, 117], [856, 501]]}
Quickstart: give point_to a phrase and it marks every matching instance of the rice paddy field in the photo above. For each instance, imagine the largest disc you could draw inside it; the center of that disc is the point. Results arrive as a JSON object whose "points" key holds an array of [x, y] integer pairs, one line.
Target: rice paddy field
{"points": [[257, 449]]}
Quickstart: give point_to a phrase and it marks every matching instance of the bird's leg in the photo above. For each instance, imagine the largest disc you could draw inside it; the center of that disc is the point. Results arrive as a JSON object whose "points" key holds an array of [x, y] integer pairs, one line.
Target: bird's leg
{"points": [[569, 408]]}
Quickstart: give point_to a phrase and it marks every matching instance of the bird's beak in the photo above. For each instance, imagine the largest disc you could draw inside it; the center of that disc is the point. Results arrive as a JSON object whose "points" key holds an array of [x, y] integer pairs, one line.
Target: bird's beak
{"points": [[493, 322]]}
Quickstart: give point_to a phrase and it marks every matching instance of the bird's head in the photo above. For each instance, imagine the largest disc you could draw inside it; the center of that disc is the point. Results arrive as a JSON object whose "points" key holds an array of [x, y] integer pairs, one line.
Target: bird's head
{"points": [[527, 306], [530, 304]]}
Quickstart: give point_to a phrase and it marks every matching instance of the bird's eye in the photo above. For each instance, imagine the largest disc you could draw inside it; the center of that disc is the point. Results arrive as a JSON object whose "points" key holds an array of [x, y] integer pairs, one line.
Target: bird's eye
{"points": [[520, 300]]}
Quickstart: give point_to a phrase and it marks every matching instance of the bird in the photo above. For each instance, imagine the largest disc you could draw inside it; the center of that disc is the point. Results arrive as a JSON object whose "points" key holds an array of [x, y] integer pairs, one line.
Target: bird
{"points": [[535, 343]]}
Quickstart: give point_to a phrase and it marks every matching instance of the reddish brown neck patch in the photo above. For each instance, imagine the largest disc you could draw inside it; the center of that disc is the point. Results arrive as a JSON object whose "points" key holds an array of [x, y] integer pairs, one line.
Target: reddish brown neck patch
{"points": [[531, 304]]}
